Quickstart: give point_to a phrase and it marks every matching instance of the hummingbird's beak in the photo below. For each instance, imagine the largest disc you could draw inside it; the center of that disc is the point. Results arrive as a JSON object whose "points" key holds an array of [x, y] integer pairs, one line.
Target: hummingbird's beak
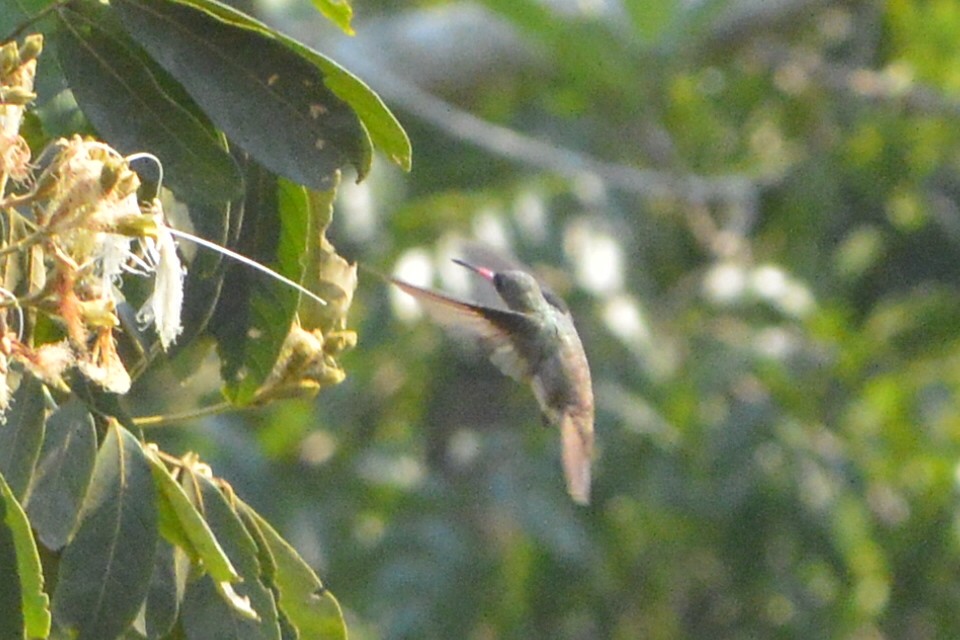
{"points": [[481, 271]]}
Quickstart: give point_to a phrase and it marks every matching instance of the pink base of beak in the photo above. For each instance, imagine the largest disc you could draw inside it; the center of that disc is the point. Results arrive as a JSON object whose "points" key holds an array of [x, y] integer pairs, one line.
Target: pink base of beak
{"points": [[482, 271]]}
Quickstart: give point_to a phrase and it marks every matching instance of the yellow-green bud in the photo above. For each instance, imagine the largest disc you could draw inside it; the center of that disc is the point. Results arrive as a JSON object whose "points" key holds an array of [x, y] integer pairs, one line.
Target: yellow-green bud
{"points": [[31, 48], [141, 226], [129, 183], [9, 59], [336, 342], [109, 175], [16, 96]]}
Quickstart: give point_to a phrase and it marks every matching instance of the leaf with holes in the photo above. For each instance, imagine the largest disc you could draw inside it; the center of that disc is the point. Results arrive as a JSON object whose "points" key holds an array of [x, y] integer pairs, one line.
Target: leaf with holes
{"points": [[270, 101], [384, 129], [252, 325], [124, 95]]}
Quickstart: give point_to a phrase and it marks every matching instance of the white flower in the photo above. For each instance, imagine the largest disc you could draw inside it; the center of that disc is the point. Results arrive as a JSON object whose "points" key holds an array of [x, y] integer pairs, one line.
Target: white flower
{"points": [[164, 305]]}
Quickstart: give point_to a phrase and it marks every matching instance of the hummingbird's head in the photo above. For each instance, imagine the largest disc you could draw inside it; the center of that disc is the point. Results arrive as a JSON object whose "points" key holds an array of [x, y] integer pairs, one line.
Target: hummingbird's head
{"points": [[519, 289]]}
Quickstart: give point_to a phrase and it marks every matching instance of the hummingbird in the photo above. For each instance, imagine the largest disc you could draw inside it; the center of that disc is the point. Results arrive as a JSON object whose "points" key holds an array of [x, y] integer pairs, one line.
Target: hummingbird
{"points": [[532, 340]]}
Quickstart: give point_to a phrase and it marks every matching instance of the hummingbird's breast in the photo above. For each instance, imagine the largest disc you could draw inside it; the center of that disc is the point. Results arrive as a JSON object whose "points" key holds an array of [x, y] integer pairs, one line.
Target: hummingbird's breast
{"points": [[562, 376]]}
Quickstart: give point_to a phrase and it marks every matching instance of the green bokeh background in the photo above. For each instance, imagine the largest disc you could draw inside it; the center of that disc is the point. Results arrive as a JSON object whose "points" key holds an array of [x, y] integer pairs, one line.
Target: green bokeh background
{"points": [[776, 365]]}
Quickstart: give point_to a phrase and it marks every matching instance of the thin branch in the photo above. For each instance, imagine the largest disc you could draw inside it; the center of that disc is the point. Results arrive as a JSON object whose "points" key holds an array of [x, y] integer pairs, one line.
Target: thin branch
{"points": [[534, 152]]}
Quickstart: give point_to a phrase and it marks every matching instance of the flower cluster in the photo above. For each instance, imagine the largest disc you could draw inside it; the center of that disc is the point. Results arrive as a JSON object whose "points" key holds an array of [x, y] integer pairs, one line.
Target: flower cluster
{"points": [[75, 227]]}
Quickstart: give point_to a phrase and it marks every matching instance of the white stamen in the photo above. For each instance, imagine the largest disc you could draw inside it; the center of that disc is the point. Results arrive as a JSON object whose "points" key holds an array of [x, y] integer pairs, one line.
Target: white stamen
{"points": [[247, 261]]}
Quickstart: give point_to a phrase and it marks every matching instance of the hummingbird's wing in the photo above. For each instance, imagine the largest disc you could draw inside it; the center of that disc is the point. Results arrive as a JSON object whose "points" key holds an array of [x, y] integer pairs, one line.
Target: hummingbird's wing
{"points": [[499, 331]]}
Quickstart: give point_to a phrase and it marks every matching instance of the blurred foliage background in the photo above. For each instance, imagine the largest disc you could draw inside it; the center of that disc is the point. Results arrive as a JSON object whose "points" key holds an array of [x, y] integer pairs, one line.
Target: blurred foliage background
{"points": [[752, 208]]}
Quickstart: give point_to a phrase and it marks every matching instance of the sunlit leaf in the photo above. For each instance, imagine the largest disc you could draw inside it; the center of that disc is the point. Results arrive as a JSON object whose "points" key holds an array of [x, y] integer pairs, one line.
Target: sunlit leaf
{"points": [[338, 12], [11, 598], [23, 603], [327, 274], [182, 524], [252, 326], [311, 609], [210, 611], [105, 571], [62, 473]]}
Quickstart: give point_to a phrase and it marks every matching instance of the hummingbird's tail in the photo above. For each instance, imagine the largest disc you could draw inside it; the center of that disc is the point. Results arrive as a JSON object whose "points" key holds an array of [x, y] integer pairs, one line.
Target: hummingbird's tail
{"points": [[577, 453]]}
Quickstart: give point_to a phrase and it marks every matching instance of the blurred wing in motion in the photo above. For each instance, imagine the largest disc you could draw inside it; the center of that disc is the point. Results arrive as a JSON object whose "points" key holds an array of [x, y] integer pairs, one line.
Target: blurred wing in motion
{"points": [[494, 329]]}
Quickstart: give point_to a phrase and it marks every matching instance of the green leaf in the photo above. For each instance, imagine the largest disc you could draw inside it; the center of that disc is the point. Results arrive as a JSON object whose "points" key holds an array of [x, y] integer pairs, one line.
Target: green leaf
{"points": [[122, 93], [182, 525], [32, 604], [380, 123], [208, 612], [204, 281], [339, 12], [383, 127], [301, 597], [105, 571], [167, 586], [14, 13], [11, 597], [270, 101], [21, 435], [250, 339], [62, 473]]}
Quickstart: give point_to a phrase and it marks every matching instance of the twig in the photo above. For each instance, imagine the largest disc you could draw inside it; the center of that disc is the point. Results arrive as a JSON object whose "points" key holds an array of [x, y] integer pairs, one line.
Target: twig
{"points": [[528, 150]]}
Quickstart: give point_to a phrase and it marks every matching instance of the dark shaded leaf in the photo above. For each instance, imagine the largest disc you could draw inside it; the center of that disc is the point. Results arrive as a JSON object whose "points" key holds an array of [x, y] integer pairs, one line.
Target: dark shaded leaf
{"points": [[14, 13], [22, 434], [383, 127], [380, 123], [266, 98], [204, 280], [123, 96], [182, 525], [207, 612], [105, 571], [62, 473], [301, 597], [24, 607], [252, 326], [165, 593]]}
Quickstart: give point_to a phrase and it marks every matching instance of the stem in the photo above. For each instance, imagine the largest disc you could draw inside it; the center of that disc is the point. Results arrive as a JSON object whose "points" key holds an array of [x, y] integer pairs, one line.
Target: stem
{"points": [[168, 419], [23, 243]]}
